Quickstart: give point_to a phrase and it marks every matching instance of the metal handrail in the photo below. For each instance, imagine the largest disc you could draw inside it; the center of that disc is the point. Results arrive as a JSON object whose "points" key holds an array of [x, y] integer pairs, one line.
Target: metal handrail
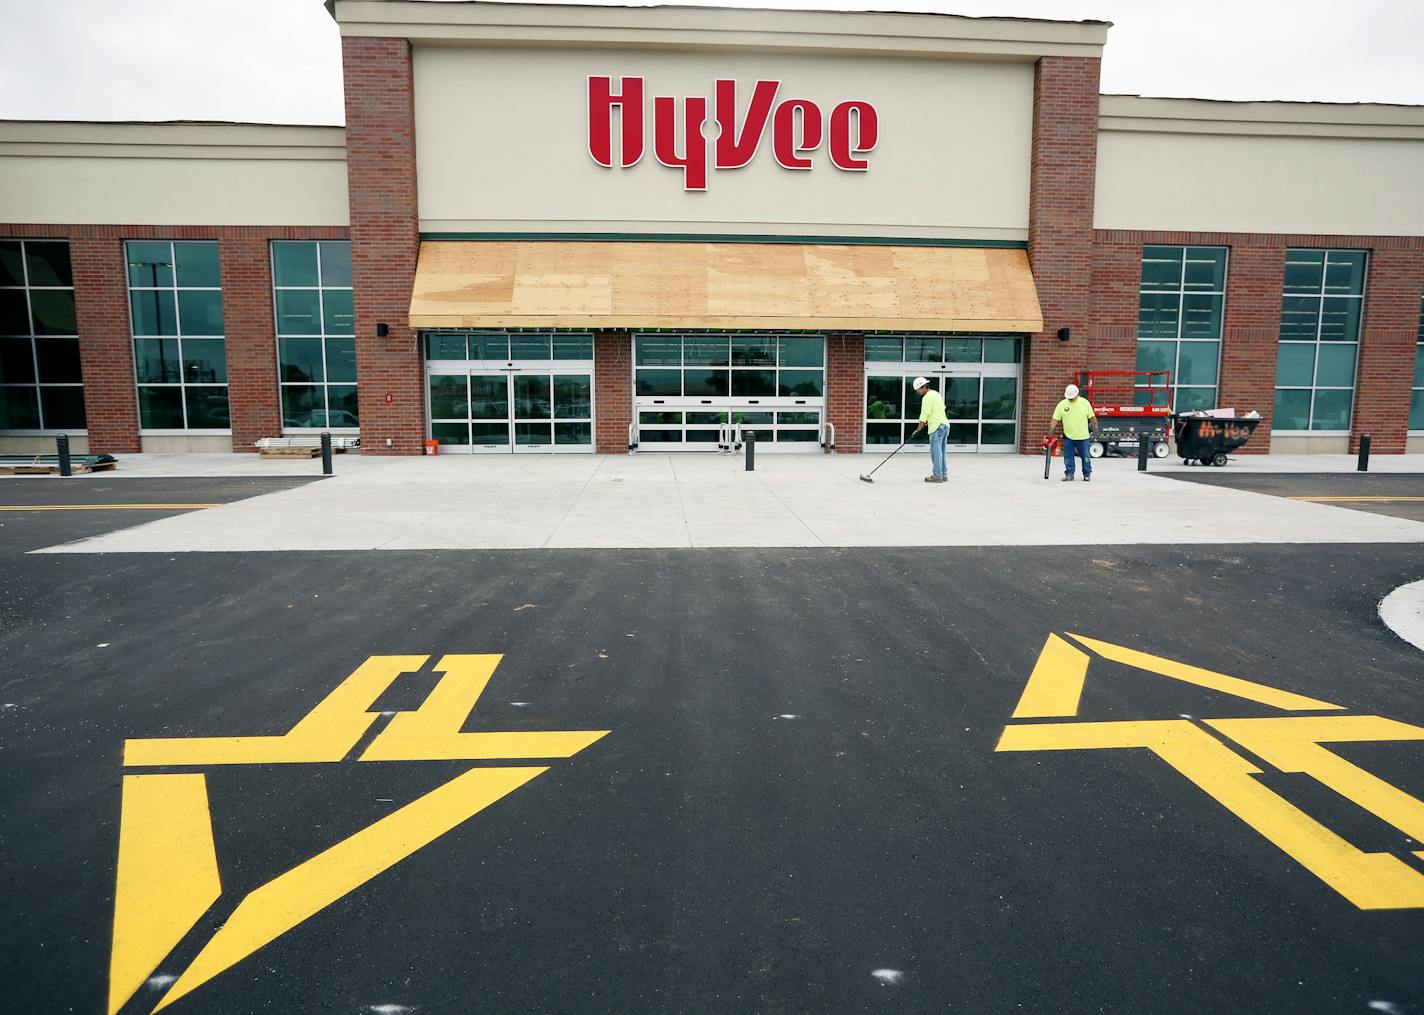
{"points": [[830, 445]]}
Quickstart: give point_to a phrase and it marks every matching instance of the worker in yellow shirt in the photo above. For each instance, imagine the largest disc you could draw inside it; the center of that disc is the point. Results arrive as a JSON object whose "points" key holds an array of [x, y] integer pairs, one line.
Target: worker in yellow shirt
{"points": [[1078, 421], [933, 419]]}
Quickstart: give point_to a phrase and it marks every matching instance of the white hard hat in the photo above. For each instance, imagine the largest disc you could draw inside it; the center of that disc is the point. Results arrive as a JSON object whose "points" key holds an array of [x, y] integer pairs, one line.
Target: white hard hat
{"points": [[1071, 391], [921, 382]]}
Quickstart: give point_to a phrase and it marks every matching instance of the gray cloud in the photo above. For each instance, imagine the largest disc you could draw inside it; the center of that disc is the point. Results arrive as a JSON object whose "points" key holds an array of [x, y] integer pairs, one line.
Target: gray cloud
{"points": [[280, 60]]}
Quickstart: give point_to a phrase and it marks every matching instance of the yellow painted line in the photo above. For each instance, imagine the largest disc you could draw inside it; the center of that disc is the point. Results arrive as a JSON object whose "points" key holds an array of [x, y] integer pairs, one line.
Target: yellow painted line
{"points": [[1359, 500], [308, 888], [1056, 683], [1248, 689], [1369, 880], [168, 875], [106, 507]]}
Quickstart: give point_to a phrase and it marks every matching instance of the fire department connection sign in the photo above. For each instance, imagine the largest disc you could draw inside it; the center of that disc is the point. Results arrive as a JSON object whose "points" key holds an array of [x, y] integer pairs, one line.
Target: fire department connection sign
{"points": [[798, 128]]}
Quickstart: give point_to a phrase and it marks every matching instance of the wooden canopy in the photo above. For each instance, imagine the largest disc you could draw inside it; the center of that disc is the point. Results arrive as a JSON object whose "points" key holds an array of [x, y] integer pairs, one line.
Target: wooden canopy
{"points": [[607, 284]]}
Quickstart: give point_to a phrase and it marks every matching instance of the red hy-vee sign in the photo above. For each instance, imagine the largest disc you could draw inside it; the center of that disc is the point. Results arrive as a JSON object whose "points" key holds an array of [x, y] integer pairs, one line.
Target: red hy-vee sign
{"points": [[798, 129]]}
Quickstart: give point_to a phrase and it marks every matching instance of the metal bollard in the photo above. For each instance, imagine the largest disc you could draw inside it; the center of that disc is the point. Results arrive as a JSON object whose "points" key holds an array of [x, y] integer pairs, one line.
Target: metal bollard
{"points": [[751, 451], [1144, 444], [1363, 465], [325, 453], [62, 447]]}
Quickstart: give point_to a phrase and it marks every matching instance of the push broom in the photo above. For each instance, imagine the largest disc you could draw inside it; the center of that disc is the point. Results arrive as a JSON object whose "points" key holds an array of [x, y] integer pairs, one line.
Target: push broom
{"points": [[865, 476]]}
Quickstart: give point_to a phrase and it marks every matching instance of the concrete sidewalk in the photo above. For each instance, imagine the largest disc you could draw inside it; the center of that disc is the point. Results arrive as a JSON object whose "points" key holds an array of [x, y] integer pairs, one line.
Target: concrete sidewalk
{"points": [[497, 466], [648, 500]]}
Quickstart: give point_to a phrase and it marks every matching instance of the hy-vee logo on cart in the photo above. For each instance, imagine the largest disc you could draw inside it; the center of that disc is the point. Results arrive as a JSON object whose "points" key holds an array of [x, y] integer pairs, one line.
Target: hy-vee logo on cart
{"points": [[798, 128]]}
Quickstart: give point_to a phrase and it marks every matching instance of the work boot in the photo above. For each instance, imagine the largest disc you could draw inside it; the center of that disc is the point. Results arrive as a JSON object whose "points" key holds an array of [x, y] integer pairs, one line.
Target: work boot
{"points": [[1067, 479], [929, 479], [1087, 479], [939, 479]]}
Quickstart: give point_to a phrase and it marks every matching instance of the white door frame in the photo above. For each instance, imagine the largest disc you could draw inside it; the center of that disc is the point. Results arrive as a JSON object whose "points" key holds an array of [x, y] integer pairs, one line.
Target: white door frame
{"points": [[489, 368], [940, 373]]}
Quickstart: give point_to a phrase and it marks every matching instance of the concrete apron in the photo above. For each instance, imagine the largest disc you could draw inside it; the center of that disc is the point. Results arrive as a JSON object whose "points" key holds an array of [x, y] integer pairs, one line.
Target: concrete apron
{"points": [[648, 500]]}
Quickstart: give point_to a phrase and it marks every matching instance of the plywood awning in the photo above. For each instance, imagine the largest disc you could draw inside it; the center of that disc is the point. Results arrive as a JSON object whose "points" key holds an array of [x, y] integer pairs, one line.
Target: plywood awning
{"points": [[553, 284]]}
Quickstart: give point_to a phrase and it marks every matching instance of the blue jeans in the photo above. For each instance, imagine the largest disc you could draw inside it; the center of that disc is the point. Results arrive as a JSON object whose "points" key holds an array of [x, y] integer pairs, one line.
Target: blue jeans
{"points": [[938, 440], [1079, 448]]}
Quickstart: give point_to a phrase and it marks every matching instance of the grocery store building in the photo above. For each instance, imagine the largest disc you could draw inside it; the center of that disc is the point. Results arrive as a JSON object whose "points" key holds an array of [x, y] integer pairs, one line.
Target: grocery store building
{"points": [[553, 229]]}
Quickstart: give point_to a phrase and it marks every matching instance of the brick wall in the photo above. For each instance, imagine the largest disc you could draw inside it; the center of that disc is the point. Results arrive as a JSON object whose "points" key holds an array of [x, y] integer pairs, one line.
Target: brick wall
{"points": [[1251, 329], [105, 337], [1388, 335], [385, 241], [1060, 231], [251, 341], [613, 387], [845, 389], [101, 303]]}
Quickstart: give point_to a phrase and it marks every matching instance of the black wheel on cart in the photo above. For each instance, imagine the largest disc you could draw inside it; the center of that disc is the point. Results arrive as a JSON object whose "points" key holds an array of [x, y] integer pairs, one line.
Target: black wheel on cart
{"points": [[1188, 461], [1217, 459]]}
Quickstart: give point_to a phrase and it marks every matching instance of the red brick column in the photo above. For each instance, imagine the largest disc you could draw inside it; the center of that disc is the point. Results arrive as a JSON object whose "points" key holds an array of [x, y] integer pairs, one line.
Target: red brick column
{"points": [[105, 346], [845, 390], [251, 341], [1060, 231], [1251, 333], [385, 241], [613, 391], [1385, 371]]}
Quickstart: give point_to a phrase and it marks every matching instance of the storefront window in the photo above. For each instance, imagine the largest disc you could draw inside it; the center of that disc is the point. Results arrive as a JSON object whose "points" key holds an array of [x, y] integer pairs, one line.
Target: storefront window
{"points": [[510, 346], [739, 366], [316, 334], [1319, 339], [1180, 305], [180, 355], [41, 386]]}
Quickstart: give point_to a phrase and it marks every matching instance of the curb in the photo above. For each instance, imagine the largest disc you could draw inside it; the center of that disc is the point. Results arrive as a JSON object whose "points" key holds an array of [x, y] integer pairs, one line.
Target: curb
{"points": [[1403, 613]]}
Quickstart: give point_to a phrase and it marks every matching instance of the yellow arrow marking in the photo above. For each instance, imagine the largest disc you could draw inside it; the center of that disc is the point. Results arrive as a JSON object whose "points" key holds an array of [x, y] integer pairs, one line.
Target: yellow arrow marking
{"points": [[287, 900], [167, 855], [168, 875], [1369, 880], [1234, 686]]}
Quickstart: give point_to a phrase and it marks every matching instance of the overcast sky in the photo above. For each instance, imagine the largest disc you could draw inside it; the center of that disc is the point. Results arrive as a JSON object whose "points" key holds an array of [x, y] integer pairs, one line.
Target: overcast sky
{"points": [[279, 61]]}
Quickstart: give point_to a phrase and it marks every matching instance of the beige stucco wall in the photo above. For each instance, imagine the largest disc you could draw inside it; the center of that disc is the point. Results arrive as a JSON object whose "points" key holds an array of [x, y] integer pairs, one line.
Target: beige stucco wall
{"points": [[1305, 444], [501, 138], [11, 445], [172, 174], [1260, 167], [204, 443]]}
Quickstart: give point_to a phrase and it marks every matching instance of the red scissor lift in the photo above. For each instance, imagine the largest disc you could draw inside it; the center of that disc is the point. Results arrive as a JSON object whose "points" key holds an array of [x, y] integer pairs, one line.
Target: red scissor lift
{"points": [[1132, 406]]}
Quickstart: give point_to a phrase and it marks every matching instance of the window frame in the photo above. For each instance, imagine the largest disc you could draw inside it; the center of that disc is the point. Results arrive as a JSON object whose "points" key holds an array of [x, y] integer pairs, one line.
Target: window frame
{"points": [[1317, 343], [1181, 292], [38, 386], [181, 384], [325, 384]]}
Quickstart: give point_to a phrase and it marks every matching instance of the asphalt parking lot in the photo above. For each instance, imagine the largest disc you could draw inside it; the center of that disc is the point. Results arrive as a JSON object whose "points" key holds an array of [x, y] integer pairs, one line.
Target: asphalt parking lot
{"points": [[798, 804], [1400, 495], [38, 511]]}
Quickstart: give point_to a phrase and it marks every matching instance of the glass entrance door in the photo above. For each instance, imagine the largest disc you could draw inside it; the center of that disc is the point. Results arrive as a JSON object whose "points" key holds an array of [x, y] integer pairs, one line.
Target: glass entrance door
{"points": [[978, 377], [503, 393], [706, 391]]}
